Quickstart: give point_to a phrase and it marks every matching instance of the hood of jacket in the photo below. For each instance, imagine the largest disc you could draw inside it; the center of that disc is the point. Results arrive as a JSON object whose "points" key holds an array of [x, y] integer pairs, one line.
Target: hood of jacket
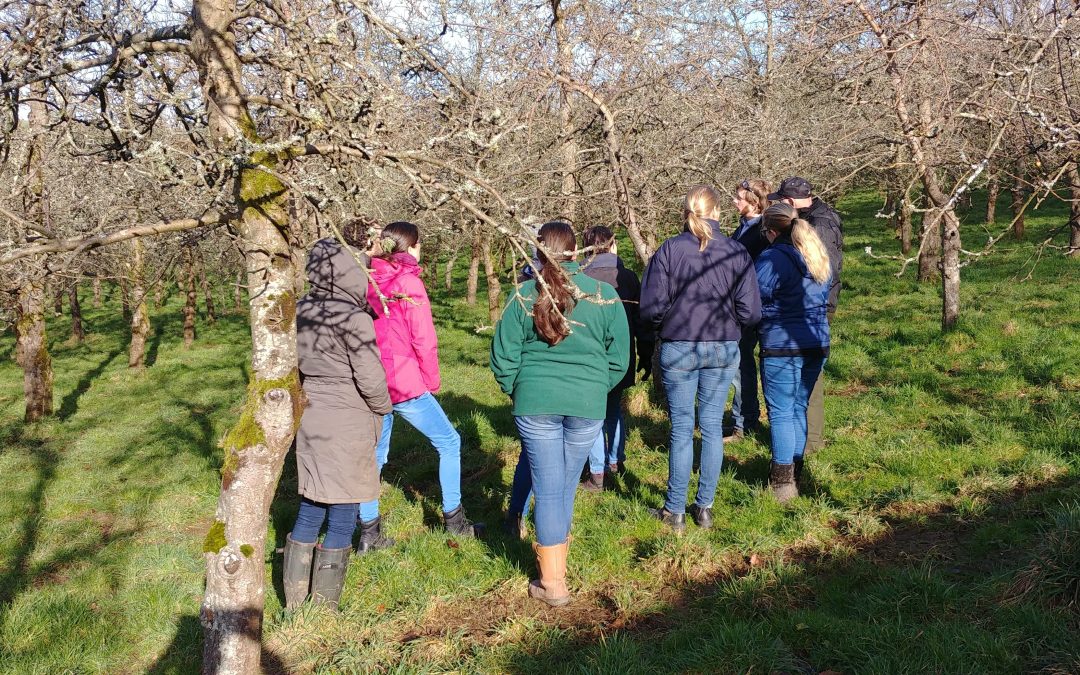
{"points": [[400, 264], [602, 260], [335, 275]]}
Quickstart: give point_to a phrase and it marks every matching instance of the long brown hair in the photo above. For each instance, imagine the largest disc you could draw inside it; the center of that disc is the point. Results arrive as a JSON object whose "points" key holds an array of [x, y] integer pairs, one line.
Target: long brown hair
{"points": [[397, 237], [702, 201], [784, 219], [550, 317]]}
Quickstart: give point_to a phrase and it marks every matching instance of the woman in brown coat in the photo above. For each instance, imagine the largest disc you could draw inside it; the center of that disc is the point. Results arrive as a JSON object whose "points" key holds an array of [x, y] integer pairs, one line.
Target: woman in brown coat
{"points": [[345, 385]]}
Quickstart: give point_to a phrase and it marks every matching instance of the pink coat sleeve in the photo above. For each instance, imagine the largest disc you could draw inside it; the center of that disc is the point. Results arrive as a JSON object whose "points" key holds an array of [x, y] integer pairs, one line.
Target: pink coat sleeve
{"points": [[422, 328]]}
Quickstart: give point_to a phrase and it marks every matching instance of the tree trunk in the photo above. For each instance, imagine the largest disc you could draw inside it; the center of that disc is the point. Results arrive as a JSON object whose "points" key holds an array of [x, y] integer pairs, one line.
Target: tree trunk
{"points": [[564, 62], [96, 285], [930, 251], [448, 271], [238, 293], [950, 269], [1074, 212], [31, 350], [208, 291], [255, 448], [125, 299], [58, 298], [1017, 191], [140, 320], [903, 213], [77, 331], [993, 189], [474, 270], [159, 293], [190, 296], [493, 288]]}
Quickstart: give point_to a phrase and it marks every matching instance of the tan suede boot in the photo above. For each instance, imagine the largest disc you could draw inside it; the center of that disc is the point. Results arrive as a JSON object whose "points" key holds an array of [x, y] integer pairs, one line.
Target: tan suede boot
{"points": [[551, 586]]}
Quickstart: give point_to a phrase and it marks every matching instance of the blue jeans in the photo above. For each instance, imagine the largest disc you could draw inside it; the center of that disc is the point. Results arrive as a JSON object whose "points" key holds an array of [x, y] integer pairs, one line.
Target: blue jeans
{"points": [[787, 382], [309, 520], [557, 447], [745, 409], [610, 445], [427, 416], [521, 489], [700, 371]]}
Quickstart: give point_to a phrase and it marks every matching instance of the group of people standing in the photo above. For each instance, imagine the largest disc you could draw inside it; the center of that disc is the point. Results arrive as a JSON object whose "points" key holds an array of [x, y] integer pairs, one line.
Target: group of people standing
{"points": [[570, 340]]}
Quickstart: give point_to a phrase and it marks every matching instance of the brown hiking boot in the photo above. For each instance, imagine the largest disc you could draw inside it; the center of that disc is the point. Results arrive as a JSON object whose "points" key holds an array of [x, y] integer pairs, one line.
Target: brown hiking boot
{"points": [[551, 586], [594, 483], [782, 482]]}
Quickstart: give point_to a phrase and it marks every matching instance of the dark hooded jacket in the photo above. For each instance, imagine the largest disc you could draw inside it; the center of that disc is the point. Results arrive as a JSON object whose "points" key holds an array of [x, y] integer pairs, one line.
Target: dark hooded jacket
{"points": [[343, 380], [826, 222], [608, 267]]}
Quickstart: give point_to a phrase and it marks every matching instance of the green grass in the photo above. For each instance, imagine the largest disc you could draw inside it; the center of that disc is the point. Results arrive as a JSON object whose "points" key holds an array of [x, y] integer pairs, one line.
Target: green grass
{"points": [[940, 533]]}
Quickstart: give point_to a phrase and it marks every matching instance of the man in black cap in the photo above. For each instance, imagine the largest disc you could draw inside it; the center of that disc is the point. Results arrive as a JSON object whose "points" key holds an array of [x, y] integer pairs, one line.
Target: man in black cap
{"points": [[798, 193]]}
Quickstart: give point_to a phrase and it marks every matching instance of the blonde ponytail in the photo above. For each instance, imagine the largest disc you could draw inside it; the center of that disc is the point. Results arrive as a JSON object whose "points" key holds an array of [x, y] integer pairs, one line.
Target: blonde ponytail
{"points": [[784, 219], [807, 241], [702, 201]]}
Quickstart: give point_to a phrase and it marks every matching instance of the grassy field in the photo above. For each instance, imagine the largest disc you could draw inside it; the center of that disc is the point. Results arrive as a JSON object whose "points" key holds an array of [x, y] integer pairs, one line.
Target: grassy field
{"points": [[941, 532]]}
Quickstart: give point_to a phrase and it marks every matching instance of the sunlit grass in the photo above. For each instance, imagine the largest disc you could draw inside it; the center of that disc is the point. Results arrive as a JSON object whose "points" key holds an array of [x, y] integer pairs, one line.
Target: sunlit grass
{"points": [[965, 444]]}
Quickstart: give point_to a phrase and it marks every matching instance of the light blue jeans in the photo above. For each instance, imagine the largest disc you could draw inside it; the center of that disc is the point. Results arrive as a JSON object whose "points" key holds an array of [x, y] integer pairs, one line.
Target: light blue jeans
{"points": [[701, 372], [610, 445], [427, 416], [557, 447], [787, 382]]}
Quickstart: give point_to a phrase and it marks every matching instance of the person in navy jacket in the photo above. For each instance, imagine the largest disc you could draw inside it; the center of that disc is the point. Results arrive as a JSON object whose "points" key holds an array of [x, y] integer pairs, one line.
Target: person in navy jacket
{"points": [[698, 294], [794, 277]]}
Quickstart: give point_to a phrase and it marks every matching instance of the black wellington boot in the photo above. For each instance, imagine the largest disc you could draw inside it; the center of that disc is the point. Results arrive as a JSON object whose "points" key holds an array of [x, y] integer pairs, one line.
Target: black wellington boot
{"points": [[371, 537], [296, 571], [328, 577]]}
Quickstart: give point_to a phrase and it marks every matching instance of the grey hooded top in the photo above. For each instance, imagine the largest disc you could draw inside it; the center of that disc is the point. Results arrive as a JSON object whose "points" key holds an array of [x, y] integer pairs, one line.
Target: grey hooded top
{"points": [[343, 379]]}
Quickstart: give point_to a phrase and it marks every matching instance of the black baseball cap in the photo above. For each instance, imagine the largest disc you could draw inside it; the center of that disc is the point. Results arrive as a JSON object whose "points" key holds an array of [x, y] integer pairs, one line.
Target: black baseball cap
{"points": [[792, 188]]}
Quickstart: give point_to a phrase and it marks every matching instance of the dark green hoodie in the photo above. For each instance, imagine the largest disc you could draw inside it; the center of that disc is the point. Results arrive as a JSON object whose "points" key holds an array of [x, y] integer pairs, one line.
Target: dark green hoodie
{"points": [[573, 377]]}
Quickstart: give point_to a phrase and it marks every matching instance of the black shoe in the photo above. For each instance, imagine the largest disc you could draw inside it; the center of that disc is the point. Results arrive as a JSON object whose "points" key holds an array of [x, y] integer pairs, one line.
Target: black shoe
{"points": [[676, 521], [734, 436], [515, 527], [798, 469], [296, 571], [328, 576], [371, 537], [702, 515], [458, 525]]}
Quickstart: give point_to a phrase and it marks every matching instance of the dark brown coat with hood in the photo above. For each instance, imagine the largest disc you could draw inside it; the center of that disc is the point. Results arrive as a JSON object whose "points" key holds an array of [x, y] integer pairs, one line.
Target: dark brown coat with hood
{"points": [[343, 379]]}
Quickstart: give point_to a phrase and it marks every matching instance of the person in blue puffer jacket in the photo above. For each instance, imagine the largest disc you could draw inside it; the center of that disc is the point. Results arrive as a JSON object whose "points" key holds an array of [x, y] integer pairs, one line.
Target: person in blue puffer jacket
{"points": [[793, 276]]}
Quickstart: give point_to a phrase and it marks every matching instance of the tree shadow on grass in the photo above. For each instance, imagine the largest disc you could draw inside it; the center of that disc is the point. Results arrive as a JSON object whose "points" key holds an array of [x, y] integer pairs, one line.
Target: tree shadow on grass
{"points": [[19, 573], [809, 611], [184, 653], [70, 403]]}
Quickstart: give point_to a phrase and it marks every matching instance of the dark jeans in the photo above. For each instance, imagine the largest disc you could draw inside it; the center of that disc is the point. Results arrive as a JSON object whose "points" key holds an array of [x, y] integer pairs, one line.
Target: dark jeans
{"points": [[745, 409], [787, 382], [309, 520], [557, 447], [815, 411], [521, 489], [698, 372], [610, 445]]}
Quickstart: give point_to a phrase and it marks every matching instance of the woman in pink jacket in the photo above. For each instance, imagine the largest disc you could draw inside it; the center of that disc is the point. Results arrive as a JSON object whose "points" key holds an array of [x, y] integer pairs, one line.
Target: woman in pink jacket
{"points": [[410, 355]]}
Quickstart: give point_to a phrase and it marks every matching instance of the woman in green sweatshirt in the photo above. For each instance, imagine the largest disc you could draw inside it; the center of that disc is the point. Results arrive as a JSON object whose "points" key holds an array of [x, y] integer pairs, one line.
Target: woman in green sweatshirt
{"points": [[557, 356]]}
